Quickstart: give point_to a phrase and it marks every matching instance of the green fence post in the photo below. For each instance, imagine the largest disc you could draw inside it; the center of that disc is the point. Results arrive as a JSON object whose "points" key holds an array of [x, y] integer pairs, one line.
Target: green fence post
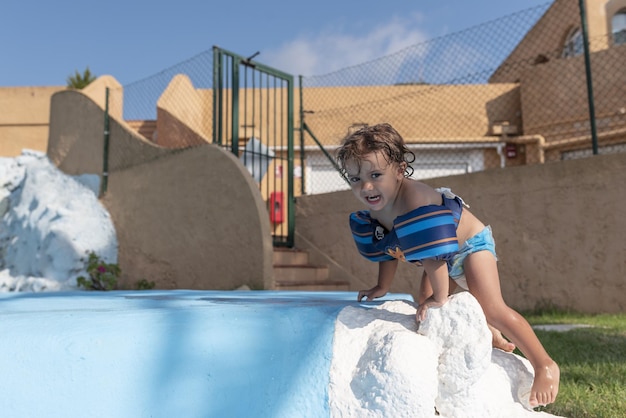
{"points": [[301, 130], [592, 112], [217, 96], [105, 159], [291, 209]]}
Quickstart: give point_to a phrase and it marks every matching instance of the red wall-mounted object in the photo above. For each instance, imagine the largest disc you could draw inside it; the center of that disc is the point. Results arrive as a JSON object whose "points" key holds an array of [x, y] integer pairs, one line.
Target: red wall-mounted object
{"points": [[277, 207], [511, 150]]}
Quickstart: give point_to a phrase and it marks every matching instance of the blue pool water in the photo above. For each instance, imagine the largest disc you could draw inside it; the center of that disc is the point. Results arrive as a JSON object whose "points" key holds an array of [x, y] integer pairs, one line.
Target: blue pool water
{"points": [[168, 353]]}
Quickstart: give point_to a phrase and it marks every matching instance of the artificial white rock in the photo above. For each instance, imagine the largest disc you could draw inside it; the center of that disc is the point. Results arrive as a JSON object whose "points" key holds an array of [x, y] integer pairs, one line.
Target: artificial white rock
{"points": [[380, 366], [50, 221], [384, 366]]}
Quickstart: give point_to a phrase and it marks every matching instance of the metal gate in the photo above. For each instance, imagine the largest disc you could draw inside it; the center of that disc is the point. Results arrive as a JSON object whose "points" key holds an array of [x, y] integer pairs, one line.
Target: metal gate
{"points": [[253, 117]]}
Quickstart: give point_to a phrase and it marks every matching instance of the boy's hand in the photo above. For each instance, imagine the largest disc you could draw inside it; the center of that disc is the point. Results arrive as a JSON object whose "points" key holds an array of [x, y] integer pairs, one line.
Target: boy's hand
{"points": [[371, 294], [428, 303]]}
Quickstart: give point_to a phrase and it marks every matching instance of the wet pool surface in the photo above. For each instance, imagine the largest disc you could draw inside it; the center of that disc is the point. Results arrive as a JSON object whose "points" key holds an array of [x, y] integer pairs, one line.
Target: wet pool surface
{"points": [[168, 353]]}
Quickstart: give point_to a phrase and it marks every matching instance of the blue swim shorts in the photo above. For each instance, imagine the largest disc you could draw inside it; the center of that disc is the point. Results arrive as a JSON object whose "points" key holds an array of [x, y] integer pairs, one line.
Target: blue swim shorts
{"points": [[480, 242]]}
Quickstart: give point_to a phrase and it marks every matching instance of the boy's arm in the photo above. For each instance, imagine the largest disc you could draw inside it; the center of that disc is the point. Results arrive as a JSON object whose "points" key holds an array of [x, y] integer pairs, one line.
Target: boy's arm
{"points": [[437, 273], [386, 272], [425, 289]]}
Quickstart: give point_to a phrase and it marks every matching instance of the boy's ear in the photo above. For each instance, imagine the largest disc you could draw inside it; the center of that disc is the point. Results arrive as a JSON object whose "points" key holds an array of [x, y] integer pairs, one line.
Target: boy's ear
{"points": [[402, 168]]}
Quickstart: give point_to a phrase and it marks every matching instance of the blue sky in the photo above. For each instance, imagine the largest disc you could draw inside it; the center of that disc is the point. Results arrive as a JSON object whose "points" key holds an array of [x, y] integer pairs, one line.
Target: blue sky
{"points": [[44, 42]]}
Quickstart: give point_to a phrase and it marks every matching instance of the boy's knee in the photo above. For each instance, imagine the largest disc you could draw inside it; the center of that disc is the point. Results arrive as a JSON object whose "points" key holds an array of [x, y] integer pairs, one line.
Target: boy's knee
{"points": [[501, 314]]}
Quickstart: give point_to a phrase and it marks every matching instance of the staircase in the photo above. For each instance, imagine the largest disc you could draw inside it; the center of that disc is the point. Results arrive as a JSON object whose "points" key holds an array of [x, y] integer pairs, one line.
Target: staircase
{"points": [[145, 128], [292, 271]]}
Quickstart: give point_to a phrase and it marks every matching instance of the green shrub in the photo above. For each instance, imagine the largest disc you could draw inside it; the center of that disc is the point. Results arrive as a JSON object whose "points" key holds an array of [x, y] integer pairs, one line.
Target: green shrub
{"points": [[102, 275], [143, 284]]}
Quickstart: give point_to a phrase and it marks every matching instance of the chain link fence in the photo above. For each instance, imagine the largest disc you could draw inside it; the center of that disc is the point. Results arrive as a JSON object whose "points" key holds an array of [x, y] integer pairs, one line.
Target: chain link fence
{"points": [[509, 92], [172, 109]]}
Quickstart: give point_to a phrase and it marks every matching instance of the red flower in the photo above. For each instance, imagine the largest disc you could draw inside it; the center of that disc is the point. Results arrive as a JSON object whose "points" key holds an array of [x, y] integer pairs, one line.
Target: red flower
{"points": [[102, 269]]}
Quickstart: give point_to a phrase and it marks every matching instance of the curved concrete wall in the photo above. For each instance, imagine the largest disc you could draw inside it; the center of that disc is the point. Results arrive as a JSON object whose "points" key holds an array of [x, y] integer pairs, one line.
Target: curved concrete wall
{"points": [[559, 230], [191, 219]]}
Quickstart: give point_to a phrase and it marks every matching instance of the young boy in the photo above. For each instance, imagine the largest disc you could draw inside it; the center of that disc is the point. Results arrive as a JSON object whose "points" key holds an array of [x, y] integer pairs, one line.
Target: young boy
{"points": [[410, 221]]}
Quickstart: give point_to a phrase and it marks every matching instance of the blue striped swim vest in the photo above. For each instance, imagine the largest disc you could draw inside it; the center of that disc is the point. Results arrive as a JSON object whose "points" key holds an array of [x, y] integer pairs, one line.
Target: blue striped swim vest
{"points": [[425, 232]]}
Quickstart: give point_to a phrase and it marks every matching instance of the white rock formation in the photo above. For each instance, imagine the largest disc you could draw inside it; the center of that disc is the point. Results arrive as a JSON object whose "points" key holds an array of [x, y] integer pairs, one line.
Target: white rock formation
{"points": [[383, 366], [49, 221]]}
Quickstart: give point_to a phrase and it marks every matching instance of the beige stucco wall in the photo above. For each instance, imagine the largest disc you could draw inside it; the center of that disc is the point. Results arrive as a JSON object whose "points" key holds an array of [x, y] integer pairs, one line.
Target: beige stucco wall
{"points": [[421, 112], [559, 230], [547, 37], [190, 219], [97, 91], [24, 113], [554, 95], [183, 115]]}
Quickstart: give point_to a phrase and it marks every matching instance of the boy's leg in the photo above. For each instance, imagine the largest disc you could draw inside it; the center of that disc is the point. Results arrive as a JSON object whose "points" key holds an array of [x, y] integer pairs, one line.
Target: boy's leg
{"points": [[484, 284], [497, 340]]}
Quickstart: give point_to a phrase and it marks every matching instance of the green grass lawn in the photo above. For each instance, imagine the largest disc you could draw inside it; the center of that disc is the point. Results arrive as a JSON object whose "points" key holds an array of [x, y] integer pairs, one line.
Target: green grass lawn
{"points": [[592, 362]]}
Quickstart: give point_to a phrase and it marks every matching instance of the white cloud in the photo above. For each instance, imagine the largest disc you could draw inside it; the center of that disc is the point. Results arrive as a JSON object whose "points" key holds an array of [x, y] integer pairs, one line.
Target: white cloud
{"points": [[333, 50]]}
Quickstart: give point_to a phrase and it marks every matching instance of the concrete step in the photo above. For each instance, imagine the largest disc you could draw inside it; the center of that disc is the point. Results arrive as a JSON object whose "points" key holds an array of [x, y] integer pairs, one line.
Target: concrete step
{"points": [[292, 271], [322, 286], [290, 257], [300, 273], [145, 128]]}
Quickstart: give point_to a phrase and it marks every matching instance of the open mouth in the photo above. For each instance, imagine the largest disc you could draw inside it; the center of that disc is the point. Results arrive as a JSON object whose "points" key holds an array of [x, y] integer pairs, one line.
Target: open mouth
{"points": [[373, 199]]}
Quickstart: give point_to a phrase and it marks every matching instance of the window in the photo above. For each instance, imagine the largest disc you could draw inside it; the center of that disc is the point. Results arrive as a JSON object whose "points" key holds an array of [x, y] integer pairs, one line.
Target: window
{"points": [[618, 25], [573, 43]]}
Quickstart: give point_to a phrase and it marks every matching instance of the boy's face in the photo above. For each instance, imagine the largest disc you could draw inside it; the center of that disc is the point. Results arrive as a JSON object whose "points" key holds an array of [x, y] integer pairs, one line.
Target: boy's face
{"points": [[374, 181]]}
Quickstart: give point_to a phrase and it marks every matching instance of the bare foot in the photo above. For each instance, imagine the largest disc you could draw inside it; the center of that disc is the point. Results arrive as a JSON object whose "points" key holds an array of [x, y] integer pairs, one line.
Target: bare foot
{"points": [[498, 340], [546, 385]]}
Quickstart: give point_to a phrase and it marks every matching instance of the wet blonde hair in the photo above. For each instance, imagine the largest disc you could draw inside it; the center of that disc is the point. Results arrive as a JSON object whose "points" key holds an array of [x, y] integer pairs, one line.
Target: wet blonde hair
{"points": [[381, 138]]}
